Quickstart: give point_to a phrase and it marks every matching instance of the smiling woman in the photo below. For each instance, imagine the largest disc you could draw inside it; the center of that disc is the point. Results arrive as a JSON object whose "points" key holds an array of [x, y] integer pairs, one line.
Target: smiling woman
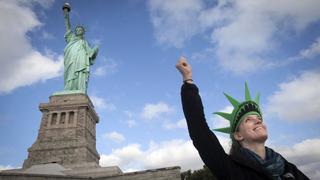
{"points": [[249, 158]]}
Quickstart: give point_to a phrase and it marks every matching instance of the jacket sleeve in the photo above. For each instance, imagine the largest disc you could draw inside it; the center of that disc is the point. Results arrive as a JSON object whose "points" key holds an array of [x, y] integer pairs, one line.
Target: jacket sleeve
{"points": [[205, 141], [292, 170]]}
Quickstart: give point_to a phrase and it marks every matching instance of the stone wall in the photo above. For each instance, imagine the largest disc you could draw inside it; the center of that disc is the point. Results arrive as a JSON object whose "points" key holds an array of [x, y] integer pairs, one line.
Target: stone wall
{"points": [[67, 133], [172, 173], [156, 174]]}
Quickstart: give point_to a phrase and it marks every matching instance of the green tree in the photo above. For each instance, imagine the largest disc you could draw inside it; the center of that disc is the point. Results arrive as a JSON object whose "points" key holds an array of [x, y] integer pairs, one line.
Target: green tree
{"points": [[201, 174]]}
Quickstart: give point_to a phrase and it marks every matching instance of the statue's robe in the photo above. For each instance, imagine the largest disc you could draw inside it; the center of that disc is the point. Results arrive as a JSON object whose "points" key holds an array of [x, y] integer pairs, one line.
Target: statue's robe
{"points": [[78, 57]]}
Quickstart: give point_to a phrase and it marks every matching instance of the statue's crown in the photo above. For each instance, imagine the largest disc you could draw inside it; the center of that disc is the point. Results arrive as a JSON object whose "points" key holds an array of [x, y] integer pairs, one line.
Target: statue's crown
{"points": [[81, 26]]}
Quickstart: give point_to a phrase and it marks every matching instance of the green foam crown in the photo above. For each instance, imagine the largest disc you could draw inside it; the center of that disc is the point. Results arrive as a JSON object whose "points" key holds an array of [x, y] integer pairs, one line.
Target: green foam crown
{"points": [[241, 109]]}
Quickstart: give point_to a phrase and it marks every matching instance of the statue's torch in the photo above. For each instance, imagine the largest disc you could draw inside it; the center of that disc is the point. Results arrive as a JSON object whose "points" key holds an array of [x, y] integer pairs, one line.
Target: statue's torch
{"points": [[66, 6]]}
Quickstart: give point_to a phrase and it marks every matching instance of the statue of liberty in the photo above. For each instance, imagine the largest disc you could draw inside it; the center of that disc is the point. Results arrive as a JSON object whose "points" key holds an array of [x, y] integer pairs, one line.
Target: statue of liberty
{"points": [[78, 57]]}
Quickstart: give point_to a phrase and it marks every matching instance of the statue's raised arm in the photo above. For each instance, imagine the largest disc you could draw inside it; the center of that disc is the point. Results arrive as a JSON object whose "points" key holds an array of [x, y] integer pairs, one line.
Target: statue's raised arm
{"points": [[66, 9]]}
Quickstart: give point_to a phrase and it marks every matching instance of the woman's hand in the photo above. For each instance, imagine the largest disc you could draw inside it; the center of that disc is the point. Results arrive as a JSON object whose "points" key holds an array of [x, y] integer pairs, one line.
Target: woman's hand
{"points": [[185, 69]]}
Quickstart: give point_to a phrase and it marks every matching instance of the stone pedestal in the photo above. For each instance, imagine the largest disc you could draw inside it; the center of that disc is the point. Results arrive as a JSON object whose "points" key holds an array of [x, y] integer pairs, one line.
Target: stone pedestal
{"points": [[67, 133]]}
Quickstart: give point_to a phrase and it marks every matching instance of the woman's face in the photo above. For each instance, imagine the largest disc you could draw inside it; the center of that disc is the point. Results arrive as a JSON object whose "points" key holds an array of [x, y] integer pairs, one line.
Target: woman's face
{"points": [[252, 129]]}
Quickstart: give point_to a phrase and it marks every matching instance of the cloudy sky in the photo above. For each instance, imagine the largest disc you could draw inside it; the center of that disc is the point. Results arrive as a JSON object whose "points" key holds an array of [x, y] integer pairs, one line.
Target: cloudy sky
{"points": [[273, 45]]}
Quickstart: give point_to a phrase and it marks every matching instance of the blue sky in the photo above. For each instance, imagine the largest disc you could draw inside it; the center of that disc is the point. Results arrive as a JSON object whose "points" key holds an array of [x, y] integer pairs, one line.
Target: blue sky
{"points": [[274, 46]]}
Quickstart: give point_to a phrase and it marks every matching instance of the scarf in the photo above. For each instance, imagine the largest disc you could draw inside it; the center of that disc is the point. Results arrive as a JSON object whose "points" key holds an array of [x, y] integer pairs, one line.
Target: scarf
{"points": [[273, 162]]}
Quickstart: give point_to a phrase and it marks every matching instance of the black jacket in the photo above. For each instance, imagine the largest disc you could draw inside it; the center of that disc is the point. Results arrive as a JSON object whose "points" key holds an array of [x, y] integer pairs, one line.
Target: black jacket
{"points": [[224, 166]]}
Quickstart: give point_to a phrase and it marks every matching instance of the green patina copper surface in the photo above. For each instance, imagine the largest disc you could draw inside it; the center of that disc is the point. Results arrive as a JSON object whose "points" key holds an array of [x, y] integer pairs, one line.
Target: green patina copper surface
{"points": [[78, 57]]}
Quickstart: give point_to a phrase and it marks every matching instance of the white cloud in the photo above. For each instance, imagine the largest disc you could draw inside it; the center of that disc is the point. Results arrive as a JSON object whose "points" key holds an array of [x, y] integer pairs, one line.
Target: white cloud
{"points": [[312, 51], [130, 122], [6, 167], [44, 3], [298, 99], [129, 114], [243, 42], [242, 31], [100, 71], [181, 124], [305, 155], [154, 111], [125, 157], [175, 152], [21, 64], [109, 67], [32, 68], [174, 20], [203, 55], [114, 136], [101, 103], [47, 35]]}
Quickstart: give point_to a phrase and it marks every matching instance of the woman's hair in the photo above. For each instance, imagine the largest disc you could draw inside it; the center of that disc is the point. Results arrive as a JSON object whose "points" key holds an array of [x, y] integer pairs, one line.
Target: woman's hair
{"points": [[235, 145]]}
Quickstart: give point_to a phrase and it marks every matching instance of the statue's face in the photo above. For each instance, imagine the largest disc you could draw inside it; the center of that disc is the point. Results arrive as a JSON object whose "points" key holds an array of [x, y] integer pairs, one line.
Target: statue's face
{"points": [[79, 31]]}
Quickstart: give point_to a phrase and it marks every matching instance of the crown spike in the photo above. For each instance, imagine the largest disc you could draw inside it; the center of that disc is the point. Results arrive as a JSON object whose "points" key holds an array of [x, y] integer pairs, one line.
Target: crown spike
{"points": [[247, 92], [224, 130], [234, 102], [257, 100], [227, 116]]}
